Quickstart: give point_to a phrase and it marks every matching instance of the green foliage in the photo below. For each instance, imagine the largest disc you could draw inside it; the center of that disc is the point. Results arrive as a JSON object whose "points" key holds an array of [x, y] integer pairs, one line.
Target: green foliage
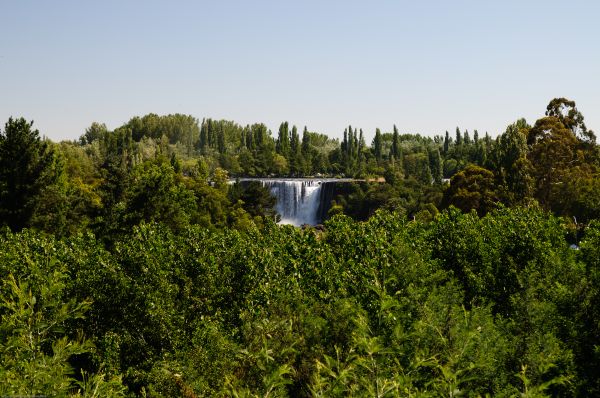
{"points": [[472, 189], [38, 342], [460, 305], [28, 170], [190, 289]]}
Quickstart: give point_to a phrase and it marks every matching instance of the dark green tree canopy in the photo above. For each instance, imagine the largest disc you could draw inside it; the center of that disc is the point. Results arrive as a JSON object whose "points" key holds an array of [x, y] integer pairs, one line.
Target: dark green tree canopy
{"points": [[27, 166], [472, 189]]}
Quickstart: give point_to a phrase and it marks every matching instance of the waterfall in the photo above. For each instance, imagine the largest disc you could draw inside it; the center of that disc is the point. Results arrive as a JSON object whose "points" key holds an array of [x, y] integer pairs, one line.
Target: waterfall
{"points": [[301, 200], [298, 201]]}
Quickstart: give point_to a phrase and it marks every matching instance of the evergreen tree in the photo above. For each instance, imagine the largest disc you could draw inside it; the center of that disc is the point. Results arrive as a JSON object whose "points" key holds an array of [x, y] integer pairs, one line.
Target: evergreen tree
{"points": [[458, 137], [27, 167]]}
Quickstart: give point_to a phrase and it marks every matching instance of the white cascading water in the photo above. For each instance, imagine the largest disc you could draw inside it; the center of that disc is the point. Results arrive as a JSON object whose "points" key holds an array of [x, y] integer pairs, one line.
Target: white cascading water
{"points": [[297, 200]]}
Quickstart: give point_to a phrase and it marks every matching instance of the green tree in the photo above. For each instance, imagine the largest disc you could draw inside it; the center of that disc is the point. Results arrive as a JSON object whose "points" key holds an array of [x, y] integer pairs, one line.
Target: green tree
{"points": [[435, 164], [256, 199], [446, 143], [377, 145], [156, 194], [566, 111], [553, 151], [396, 144], [416, 165], [283, 140], [295, 152], [95, 132], [459, 137], [472, 189], [513, 166], [28, 166], [467, 138]]}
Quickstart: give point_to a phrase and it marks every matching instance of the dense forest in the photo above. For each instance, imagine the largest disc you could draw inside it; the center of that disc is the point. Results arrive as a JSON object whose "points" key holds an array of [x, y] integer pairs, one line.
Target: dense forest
{"points": [[454, 265]]}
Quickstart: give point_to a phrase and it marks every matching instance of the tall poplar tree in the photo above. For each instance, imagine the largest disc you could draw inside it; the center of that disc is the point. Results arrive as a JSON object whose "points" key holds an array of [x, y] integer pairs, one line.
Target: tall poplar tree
{"points": [[305, 142], [203, 143], [361, 144], [435, 164], [283, 140], [377, 145], [306, 153], [466, 138], [458, 137], [396, 143]]}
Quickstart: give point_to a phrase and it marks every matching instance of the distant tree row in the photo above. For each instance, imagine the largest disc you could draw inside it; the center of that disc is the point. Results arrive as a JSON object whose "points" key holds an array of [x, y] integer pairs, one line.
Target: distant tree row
{"points": [[93, 183]]}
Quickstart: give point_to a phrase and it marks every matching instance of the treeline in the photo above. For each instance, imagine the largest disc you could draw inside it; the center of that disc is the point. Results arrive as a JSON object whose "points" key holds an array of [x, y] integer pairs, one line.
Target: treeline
{"points": [[113, 183], [175, 169], [554, 163], [459, 306]]}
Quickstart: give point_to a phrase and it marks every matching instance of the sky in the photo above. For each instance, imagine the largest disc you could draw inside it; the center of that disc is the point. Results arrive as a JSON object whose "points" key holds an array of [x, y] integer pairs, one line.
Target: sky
{"points": [[426, 66]]}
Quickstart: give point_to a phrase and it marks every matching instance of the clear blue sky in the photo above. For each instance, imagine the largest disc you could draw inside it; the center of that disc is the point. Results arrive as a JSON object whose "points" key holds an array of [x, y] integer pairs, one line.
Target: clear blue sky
{"points": [[426, 66]]}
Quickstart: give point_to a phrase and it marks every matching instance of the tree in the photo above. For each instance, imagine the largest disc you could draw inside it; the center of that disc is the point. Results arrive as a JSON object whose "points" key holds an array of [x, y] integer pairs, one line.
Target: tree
{"points": [[552, 152], [446, 142], [396, 144], [280, 165], [295, 158], [306, 152], [95, 132], [283, 140], [377, 145], [435, 164], [566, 111], [156, 194], [27, 168], [472, 189], [256, 199], [416, 165], [361, 146], [305, 142], [513, 166], [294, 141], [466, 138]]}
